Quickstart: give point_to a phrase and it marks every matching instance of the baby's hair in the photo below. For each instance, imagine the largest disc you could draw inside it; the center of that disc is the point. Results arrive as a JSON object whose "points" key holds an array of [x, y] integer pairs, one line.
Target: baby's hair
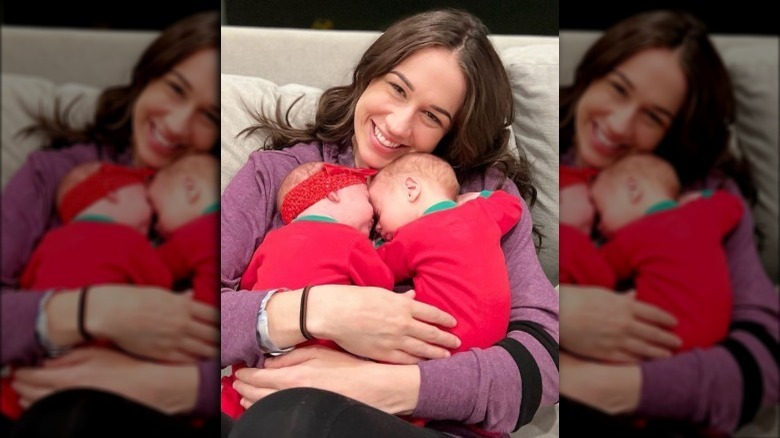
{"points": [[74, 177], [648, 167], [426, 166], [295, 177], [203, 167]]}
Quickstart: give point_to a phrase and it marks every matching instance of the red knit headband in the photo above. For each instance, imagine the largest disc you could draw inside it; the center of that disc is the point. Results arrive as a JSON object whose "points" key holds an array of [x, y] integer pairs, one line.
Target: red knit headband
{"points": [[107, 178], [574, 175], [330, 178]]}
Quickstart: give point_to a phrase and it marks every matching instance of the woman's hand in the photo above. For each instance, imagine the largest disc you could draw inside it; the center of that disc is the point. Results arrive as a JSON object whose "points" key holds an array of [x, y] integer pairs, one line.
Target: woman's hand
{"points": [[379, 324], [147, 321], [613, 389], [391, 388], [601, 324], [170, 389]]}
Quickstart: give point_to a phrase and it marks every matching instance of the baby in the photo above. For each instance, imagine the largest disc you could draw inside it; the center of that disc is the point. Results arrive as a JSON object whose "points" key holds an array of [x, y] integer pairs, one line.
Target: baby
{"points": [[452, 253], [106, 216], [673, 252], [185, 196], [327, 218]]}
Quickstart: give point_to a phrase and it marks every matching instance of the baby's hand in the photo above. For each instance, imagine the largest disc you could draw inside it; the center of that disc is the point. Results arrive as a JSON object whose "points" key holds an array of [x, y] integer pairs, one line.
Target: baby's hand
{"points": [[468, 196], [690, 196]]}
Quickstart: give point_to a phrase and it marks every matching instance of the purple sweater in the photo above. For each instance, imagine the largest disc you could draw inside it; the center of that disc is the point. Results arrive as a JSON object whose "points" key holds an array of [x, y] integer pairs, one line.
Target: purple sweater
{"points": [[707, 385], [27, 213], [477, 386]]}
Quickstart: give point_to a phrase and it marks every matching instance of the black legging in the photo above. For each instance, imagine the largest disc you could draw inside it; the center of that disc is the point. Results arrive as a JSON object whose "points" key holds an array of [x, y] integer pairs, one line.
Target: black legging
{"points": [[583, 420], [308, 412], [87, 413]]}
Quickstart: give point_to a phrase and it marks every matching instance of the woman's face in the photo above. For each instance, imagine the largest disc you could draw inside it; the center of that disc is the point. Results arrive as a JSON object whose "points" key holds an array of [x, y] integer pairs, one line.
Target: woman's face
{"points": [[177, 113], [409, 109], [629, 109]]}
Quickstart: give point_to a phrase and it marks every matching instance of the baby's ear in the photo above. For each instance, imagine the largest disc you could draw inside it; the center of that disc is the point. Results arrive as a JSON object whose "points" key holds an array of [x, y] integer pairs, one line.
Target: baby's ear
{"points": [[192, 189], [333, 196], [635, 190], [413, 188]]}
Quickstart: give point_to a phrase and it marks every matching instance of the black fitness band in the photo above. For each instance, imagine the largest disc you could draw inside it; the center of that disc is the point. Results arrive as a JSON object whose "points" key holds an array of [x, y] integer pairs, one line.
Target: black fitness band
{"points": [[302, 320], [81, 315]]}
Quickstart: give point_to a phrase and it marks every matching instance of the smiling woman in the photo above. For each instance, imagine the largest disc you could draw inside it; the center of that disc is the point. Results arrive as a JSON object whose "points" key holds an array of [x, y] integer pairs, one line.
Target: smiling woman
{"points": [[158, 378], [431, 83]]}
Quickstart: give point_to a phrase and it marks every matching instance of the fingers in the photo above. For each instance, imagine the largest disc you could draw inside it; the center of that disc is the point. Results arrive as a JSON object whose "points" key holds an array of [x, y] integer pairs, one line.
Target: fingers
{"points": [[420, 349], [204, 312], [645, 350], [29, 394], [655, 335], [197, 348], [402, 358], [433, 335], [203, 331], [433, 315], [654, 315]]}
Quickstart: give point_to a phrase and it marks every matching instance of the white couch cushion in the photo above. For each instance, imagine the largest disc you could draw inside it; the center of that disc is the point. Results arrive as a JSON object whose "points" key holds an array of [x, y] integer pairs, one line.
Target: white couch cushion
{"points": [[24, 94], [533, 73]]}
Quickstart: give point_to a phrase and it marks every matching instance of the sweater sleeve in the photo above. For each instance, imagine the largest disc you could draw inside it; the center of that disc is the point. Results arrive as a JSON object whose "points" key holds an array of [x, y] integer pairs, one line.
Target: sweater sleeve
{"points": [[501, 387], [27, 213], [724, 386], [247, 214]]}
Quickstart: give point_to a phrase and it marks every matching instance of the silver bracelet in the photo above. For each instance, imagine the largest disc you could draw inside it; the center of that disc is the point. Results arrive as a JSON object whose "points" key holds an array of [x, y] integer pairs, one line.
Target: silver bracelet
{"points": [[42, 329], [263, 338]]}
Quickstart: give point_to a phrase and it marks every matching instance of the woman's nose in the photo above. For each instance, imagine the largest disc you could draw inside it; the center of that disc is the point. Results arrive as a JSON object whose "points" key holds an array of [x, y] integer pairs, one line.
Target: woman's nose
{"points": [[620, 123], [399, 124], [178, 121]]}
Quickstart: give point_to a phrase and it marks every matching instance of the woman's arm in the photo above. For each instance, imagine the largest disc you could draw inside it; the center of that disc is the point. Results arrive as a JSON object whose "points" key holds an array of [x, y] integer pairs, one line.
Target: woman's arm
{"points": [[724, 386], [172, 389], [501, 387], [27, 213]]}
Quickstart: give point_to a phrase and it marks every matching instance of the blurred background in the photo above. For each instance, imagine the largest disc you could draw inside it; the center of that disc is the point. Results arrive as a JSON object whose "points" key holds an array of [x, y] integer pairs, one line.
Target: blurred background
{"points": [[526, 17]]}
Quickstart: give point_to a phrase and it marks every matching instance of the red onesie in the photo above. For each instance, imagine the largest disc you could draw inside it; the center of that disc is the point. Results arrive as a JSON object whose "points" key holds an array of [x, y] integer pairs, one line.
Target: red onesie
{"points": [[678, 263], [460, 268], [310, 250], [107, 253], [192, 252]]}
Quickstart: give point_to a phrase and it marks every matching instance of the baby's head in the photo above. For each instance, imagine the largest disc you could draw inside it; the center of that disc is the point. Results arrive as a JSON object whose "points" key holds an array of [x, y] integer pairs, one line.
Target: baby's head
{"points": [[405, 188], [107, 191], [624, 191], [184, 190], [324, 189], [577, 209]]}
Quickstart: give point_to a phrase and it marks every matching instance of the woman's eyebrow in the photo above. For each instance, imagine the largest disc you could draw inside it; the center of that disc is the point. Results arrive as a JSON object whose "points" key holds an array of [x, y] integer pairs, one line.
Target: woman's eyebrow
{"points": [[181, 77], [411, 87]]}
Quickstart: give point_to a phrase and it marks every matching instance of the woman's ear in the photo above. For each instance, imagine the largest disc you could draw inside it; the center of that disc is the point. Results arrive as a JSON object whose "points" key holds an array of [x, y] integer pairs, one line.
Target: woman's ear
{"points": [[413, 188]]}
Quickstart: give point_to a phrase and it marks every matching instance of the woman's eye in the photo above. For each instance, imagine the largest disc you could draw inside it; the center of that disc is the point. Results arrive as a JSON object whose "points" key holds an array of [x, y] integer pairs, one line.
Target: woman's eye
{"points": [[432, 117], [176, 88], [620, 89], [398, 89], [655, 118]]}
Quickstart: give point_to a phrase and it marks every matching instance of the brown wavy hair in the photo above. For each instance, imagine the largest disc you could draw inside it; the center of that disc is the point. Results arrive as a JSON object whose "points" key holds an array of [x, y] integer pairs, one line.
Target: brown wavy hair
{"points": [[697, 141], [111, 128], [478, 138]]}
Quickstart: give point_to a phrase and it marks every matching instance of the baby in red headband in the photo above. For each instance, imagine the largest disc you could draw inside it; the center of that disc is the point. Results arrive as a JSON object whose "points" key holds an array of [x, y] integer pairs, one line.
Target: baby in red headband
{"points": [[325, 240], [105, 217]]}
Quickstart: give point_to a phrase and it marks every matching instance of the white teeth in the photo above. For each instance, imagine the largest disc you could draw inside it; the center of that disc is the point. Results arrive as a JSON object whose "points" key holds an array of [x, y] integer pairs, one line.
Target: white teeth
{"points": [[162, 140], [601, 138], [385, 142]]}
